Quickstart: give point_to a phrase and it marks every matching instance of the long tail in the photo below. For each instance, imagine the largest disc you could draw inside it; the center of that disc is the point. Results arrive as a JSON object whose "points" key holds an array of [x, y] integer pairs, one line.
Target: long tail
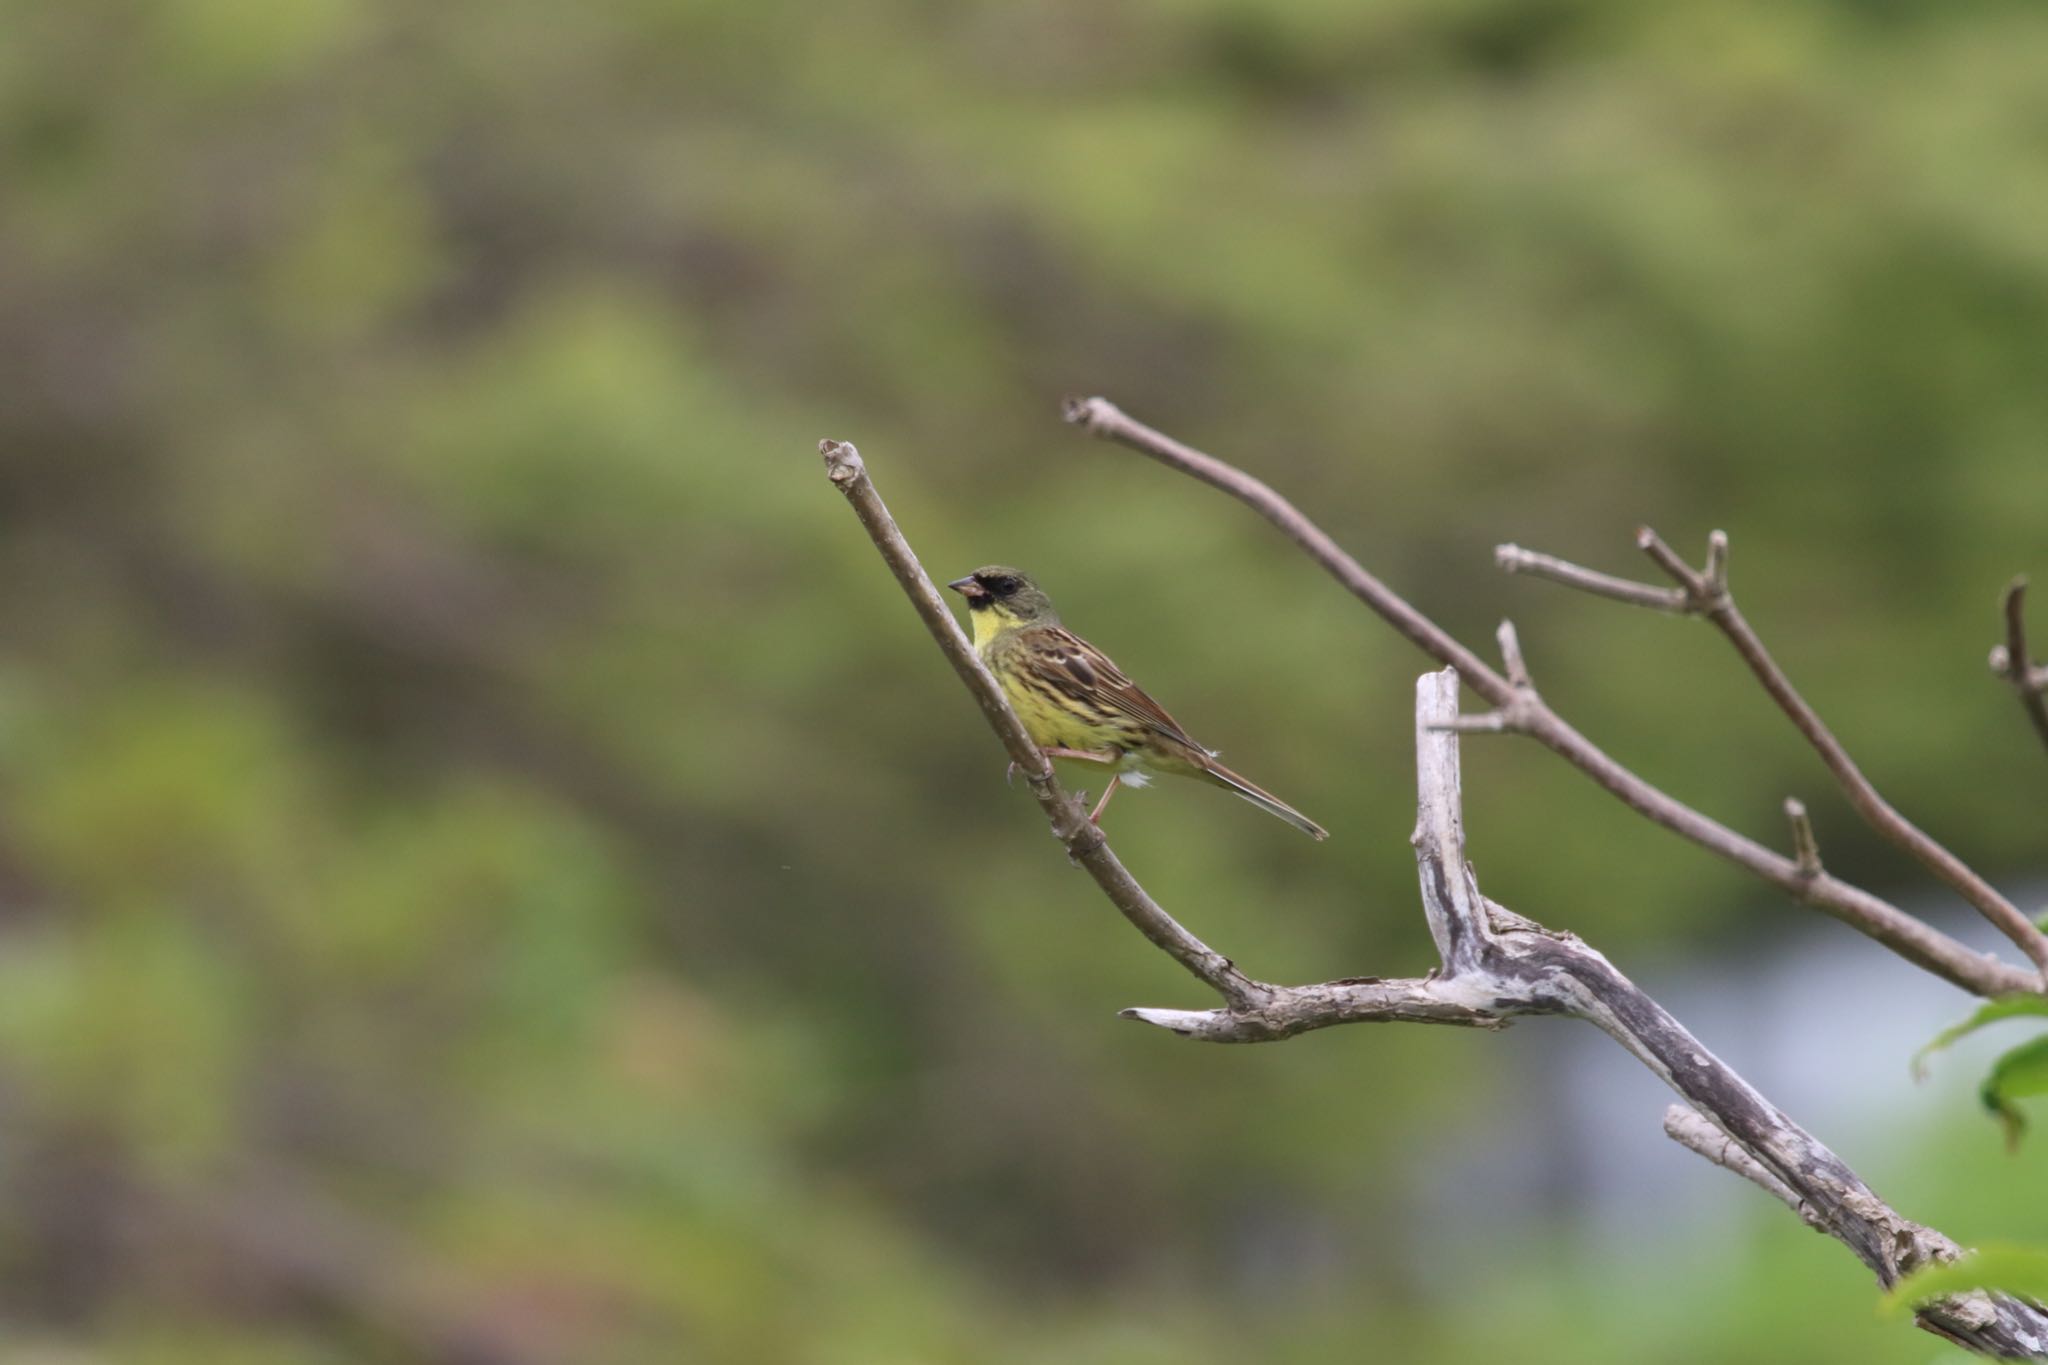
{"points": [[1251, 791]]}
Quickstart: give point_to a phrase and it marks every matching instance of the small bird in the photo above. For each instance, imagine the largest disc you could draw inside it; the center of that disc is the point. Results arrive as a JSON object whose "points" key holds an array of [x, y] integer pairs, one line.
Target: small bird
{"points": [[1076, 704]]}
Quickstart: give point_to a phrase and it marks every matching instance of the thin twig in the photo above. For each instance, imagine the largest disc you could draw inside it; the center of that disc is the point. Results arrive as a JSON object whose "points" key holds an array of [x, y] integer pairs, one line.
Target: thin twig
{"points": [[1717, 563], [1497, 722], [1694, 585], [1086, 843], [2011, 661], [1712, 600], [1511, 658], [1515, 559], [1917, 942], [1805, 848]]}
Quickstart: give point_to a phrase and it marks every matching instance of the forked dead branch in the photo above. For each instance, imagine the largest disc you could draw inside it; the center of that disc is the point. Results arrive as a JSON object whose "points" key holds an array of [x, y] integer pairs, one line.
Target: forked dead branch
{"points": [[1495, 965], [1520, 709]]}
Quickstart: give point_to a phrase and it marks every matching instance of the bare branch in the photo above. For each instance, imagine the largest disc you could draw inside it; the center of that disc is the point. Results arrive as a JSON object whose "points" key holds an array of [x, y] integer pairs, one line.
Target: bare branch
{"points": [[1502, 722], [1912, 939], [1086, 844], [2011, 661], [1105, 419], [1515, 559], [1300, 1009], [1712, 600]]}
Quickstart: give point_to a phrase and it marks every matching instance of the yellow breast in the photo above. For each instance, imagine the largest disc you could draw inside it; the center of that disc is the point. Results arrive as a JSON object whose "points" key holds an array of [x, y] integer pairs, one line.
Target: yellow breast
{"points": [[1053, 721]]}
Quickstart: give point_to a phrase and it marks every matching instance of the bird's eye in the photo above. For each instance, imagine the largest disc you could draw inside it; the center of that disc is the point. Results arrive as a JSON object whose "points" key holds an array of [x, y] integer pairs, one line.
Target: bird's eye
{"points": [[1002, 587]]}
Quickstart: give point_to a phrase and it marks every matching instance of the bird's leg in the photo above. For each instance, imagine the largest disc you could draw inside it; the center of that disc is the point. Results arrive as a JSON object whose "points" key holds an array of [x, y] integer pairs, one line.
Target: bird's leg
{"points": [[1095, 816]]}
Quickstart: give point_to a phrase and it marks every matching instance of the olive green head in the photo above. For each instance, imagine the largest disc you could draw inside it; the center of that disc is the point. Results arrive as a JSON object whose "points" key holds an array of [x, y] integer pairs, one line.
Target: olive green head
{"points": [[1002, 598]]}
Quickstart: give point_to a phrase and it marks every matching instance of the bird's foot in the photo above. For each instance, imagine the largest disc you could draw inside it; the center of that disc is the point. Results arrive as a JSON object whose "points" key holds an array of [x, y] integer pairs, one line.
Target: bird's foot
{"points": [[1106, 758]]}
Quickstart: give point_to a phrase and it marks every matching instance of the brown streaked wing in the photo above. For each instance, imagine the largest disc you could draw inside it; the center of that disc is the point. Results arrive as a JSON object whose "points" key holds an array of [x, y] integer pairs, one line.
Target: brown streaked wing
{"points": [[1085, 673]]}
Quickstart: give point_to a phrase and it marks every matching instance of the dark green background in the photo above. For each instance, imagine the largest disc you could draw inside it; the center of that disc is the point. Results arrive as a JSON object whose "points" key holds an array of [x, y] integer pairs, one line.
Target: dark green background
{"points": [[491, 868]]}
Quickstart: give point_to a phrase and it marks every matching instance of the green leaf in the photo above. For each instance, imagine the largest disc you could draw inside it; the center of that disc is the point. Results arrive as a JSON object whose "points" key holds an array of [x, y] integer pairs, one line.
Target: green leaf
{"points": [[2017, 1074], [2018, 1270], [2004, 1007]]}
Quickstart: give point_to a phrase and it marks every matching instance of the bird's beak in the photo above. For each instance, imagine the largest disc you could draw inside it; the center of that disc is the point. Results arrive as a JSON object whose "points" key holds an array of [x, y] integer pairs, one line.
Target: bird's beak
{"points": [[968, 589]]}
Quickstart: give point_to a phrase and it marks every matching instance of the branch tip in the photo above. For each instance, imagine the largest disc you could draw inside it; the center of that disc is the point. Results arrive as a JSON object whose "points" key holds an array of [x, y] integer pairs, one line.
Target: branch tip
{"points": [[842, 462], [1094, 413], [1183, 1022], [1805, 848], [1717, 563]]}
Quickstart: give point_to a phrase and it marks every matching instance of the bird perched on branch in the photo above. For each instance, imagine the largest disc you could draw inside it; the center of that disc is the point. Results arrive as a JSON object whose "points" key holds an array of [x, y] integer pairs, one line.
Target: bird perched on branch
{"points": [[1076, 704]]}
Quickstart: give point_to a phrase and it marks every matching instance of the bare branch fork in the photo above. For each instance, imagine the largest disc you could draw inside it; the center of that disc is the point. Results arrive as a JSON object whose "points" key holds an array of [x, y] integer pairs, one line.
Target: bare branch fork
{"points": [[1520, 710], [2011, 662], [1495, 965]]}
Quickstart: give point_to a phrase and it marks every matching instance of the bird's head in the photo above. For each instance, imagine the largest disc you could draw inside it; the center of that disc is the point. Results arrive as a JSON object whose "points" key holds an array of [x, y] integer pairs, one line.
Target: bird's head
{"points": [[1002, 598]]}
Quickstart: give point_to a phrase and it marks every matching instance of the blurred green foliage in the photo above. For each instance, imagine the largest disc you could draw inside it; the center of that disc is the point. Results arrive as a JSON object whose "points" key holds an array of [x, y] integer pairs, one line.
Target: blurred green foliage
{"points": [[2016, 1073], [490, 869]]}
